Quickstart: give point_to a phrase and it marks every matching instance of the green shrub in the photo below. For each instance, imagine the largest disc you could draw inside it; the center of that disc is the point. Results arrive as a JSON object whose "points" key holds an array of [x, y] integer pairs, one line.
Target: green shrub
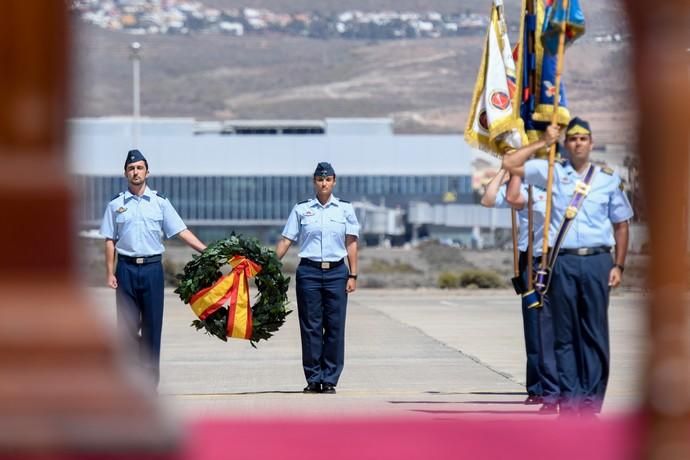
{"points": [[471, 279], [483, 279], [448, 280]]}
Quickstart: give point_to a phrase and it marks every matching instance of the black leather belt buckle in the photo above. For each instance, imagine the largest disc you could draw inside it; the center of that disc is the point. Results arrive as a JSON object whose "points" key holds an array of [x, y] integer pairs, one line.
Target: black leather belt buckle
{"points": [[140, 260], [322, 265], [586, 251]]}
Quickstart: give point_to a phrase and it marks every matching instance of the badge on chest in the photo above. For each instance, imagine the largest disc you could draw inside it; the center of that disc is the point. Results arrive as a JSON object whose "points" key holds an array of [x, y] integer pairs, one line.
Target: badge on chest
{"points": [[121, 209]]}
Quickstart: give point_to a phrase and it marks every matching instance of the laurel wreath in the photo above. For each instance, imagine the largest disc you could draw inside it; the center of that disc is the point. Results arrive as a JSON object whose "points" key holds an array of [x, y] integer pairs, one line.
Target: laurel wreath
{"points": [[268, 311]]}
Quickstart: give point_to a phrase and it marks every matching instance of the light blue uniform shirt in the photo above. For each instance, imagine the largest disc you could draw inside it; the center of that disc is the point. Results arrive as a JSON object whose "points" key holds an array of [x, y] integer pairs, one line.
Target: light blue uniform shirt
{"points": [[605, 204], [137, 224], [320, 229], [538, 208]]}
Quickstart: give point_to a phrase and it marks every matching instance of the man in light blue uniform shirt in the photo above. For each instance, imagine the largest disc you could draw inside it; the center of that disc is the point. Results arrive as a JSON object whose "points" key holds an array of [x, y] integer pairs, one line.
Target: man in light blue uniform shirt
{"points": [[541, 380], [584, 271], [134, 224], [326, 230]]}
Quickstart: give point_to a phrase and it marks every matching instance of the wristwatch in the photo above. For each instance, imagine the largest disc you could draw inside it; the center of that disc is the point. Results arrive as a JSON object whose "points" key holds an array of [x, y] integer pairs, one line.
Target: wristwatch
{"points": [[620, 267], [352, 275]]}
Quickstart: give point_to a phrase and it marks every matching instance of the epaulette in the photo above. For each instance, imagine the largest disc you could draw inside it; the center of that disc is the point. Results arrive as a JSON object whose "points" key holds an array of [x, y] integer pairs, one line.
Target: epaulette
{"points": [[343, 201], [302, 202], [162, 195], [607, 170], [119, 194], [561, 161]]}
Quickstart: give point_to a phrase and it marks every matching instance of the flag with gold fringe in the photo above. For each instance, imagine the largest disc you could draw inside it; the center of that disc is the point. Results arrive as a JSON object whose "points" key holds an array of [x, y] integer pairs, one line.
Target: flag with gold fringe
{"points": [[539, 75], [556, 15], [494, 124]]}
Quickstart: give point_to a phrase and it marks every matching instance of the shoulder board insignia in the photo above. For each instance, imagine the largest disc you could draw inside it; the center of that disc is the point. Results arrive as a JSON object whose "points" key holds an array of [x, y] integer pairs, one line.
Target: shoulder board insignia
{"points": [[561, 161], [621, 186], [161, 194], [302, 202], [344, 201], [607, 170], [119, 194]]}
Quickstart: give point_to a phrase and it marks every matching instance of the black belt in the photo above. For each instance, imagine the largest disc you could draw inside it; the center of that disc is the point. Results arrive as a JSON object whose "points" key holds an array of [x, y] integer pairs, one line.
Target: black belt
{"points": [[322, 265], [585, 251], [139, 260]]}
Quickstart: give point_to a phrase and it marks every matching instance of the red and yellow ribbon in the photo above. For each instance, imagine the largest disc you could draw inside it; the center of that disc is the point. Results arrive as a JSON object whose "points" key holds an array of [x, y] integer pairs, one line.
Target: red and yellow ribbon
{"points": [[233, 287]]}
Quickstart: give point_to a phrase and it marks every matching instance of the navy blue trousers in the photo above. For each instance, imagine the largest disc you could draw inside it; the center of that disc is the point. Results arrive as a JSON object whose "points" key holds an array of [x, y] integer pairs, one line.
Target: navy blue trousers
{"points": [[322, 304], [139, 300], [541, 374], [579, 294], [530, 325], [548, 369]]}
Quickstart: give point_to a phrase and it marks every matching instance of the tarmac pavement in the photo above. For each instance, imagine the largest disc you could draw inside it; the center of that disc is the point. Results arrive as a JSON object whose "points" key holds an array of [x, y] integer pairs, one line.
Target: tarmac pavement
{"points": [[420, 353]]}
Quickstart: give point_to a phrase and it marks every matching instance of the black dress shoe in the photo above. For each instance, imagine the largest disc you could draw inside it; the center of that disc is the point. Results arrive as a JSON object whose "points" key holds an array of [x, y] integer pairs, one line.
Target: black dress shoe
{"points": [[312, 387], [328, 388], [533, 400], [548, 409]]}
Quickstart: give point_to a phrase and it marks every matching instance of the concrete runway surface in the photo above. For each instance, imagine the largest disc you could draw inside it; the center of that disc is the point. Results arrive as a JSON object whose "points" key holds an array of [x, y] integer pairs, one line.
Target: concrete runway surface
{"points": [[420, 353]]}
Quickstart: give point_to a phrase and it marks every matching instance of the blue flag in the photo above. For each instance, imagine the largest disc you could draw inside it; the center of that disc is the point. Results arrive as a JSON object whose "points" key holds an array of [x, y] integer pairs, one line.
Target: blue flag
{"points": [[537, 104], [556, 15]]}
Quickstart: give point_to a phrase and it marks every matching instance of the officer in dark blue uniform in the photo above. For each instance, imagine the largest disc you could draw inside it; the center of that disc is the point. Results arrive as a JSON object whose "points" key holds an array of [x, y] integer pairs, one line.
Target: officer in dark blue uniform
{"points": [[134, 225], [584, 270], [326, 230], [541, 378]]}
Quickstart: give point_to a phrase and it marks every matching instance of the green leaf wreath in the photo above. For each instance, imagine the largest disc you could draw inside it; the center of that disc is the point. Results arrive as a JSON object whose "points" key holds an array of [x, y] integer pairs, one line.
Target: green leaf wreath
{"points": [[268, 311]]}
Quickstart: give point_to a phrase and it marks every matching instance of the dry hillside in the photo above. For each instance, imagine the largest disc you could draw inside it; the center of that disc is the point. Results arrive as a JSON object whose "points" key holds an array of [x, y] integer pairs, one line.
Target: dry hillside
{"points": [[424, 84]]}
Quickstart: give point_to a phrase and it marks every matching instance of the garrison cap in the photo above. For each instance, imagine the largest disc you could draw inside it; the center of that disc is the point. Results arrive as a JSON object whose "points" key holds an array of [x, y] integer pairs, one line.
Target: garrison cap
{"points": [[324, 169], [135, 155], [578, 126]]}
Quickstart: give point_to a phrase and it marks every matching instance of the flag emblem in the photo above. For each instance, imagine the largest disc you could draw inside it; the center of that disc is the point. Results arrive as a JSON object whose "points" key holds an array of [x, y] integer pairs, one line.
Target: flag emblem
{"points": [[500, 100], [483, 120]]}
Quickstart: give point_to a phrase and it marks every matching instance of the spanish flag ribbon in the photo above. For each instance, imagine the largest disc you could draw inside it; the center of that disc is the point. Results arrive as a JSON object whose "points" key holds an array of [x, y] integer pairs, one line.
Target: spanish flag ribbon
{"points": [[233, 287]]}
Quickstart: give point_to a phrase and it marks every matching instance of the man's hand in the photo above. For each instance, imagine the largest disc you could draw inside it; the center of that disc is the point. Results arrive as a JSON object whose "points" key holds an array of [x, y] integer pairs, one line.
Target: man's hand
{"points": [[111, 281], [351, 285], [551, 135], [615, 277]]}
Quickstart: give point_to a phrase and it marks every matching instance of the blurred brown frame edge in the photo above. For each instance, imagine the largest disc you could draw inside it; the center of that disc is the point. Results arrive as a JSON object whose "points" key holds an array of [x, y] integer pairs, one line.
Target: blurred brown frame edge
{"points": [[64, 390]]}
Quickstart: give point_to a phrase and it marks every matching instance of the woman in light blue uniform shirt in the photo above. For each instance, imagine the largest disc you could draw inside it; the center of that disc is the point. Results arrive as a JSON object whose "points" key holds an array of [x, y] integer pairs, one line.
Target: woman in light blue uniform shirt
{"points": [[326, 230]]}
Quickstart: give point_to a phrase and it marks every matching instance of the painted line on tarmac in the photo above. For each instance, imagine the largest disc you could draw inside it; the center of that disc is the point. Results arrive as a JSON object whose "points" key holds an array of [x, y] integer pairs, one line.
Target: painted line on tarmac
{"points": [[449, 304]]}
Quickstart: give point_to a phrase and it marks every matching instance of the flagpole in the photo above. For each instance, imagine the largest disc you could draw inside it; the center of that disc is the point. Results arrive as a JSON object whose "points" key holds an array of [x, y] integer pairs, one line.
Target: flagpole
{"points": [[552, 149], [513, 221], [530, 199]]}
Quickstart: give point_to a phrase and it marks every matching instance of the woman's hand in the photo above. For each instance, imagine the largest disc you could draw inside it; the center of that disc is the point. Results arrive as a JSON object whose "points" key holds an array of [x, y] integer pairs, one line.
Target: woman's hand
{"points": [[351, 285]]}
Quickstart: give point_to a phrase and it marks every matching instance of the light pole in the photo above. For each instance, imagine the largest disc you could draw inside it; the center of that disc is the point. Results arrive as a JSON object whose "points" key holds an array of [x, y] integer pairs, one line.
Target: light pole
{"points": [[135, 56]]}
